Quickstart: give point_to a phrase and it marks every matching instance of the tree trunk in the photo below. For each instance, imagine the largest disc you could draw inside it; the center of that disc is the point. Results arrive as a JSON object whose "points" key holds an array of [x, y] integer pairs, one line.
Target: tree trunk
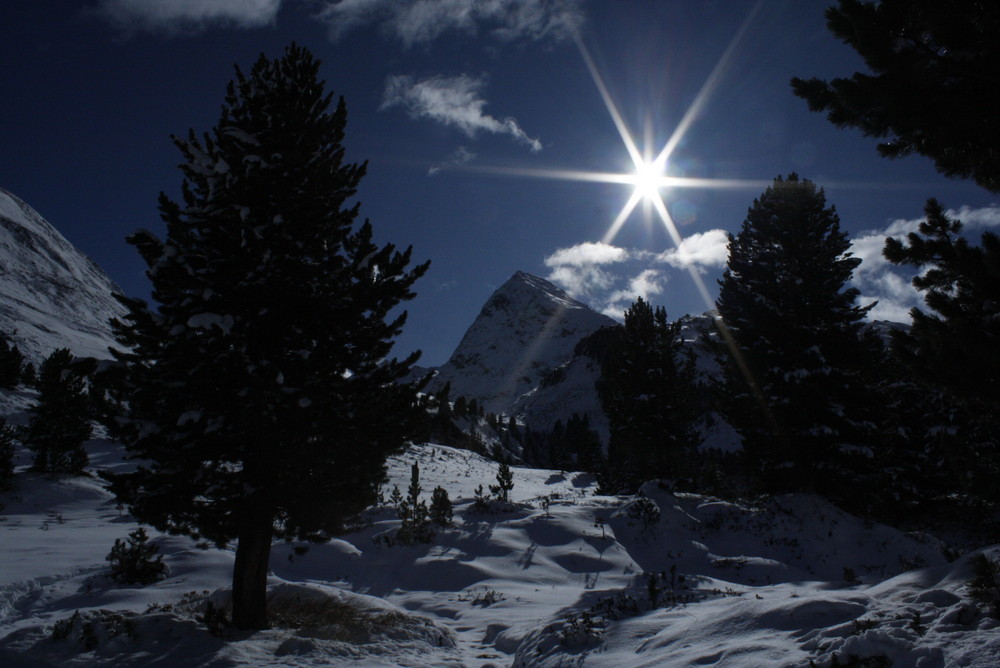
{"points": [[253, 550]]}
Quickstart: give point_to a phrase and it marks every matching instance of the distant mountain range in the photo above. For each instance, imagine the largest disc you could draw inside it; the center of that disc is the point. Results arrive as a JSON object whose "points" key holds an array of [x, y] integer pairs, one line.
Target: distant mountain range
{"points": [[520, 357]]}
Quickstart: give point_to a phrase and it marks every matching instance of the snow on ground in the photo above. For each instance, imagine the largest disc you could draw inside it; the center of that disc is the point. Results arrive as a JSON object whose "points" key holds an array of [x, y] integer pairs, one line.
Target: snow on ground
{"points": [[563, 577]]}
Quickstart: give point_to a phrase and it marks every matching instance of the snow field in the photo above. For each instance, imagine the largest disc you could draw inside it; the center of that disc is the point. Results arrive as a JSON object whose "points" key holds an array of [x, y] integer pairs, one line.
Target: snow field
{"points": [[788, 581]]}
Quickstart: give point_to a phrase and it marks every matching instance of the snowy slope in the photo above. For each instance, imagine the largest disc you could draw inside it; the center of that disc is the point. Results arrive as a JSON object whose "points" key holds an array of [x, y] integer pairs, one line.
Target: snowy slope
{"points": [[775, 585], [526, 331], [51, 295]]}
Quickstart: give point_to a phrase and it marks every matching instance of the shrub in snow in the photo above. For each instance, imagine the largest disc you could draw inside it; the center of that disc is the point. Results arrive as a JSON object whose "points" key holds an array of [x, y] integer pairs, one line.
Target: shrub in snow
{"points": [[441, 511], [984, 586], [135, 561], [60, 422]]}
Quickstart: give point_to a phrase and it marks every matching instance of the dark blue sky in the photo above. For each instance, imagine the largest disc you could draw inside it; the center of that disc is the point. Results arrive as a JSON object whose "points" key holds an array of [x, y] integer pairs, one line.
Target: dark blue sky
{"points": [[442, 95]]}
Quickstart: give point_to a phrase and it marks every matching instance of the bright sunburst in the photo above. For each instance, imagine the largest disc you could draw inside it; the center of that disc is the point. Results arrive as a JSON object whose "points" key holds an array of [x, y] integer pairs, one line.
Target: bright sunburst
{"points": [[649, 178]]}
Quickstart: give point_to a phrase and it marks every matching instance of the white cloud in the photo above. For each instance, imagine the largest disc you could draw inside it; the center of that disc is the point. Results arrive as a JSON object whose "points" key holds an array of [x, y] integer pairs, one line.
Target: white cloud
{"points": [[647, 284], [702, 249], [173, 16], [890, 285], [422, 21], [451, 101], [610, 278], [587, 253]]}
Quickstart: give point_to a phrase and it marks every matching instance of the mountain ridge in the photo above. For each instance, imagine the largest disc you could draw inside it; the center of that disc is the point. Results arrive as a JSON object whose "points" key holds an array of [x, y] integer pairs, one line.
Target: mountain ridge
{"points": [[53, 296]]}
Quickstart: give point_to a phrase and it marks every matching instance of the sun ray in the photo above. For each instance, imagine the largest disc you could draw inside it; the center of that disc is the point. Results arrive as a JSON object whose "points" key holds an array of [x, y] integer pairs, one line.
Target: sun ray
{"points": [[609, 102], [709, 86]]}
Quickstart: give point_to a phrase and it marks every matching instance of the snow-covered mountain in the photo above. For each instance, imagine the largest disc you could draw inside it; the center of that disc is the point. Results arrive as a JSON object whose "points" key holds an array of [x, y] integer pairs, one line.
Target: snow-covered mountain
{"points": [[51, 295], [517, 357]]}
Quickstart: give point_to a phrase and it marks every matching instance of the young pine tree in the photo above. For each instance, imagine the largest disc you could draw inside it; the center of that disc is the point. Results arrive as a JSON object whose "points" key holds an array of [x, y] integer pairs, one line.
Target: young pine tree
{"points": [[7, 437], [794, 373], [11, 363], [505, 482], [60, 421], [262, 399], [648, 391]]}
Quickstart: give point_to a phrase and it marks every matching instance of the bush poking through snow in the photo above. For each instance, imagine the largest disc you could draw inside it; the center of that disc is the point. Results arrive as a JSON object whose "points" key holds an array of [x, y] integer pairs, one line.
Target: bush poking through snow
{"points": [[136, 562], [88, 629], [984, 587]]}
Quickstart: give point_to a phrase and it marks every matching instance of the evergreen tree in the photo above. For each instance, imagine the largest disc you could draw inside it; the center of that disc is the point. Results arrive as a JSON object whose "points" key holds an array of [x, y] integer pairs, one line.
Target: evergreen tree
{"points": [[415, 527], [134, 561], [11, 363], [647, 388], [954, 348], [794, 384], [505, 482], [260, 395], [957, 345], [60, 421], [932, 83], [7, 436], [441, 512]]}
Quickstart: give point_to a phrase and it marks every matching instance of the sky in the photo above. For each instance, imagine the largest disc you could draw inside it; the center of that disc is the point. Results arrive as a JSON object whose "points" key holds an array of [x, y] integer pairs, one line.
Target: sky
{"points": [[497, 135]]}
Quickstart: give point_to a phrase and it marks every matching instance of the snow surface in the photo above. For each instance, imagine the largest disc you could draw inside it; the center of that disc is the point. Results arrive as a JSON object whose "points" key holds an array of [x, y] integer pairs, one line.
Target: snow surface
{"points": [[528, 585], [51, 295]]}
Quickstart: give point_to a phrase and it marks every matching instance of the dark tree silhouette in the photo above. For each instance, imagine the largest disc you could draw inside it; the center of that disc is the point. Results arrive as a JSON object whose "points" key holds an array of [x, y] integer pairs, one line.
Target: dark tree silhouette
{"points": [[933, 81], [794, 386], [60, 421], [260, 393], [647, 388]]}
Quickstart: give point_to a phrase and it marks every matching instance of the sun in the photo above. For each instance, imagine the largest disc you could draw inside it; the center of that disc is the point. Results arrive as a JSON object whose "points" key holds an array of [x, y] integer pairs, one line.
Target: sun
{"points": [[648, 179]]}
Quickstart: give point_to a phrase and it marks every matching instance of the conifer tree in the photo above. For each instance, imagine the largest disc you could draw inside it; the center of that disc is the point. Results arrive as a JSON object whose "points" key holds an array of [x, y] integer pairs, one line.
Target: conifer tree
{"points": [[931, 85], [60, 421], [794, 384], [441, 511], [953, 349], [647, 388], [7, 436], [261, 397], [505, 482], [11, 363], [957, 344]]}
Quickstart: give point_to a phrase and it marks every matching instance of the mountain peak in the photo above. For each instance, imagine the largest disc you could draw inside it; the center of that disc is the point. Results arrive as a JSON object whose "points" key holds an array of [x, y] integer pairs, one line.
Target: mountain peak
{"points": [[527, 329], [51, 294]]}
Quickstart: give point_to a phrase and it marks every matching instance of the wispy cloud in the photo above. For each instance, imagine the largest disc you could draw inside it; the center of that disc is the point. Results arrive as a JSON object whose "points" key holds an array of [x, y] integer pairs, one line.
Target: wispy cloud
{"points": [[451, 101], [878, 280], [458, 157], [180, 16], [422, 21]]}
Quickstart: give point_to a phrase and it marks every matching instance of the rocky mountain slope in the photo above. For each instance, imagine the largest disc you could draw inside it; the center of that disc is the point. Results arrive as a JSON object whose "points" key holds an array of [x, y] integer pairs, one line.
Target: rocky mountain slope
{"points": [[517, 356], [51, 294]]}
